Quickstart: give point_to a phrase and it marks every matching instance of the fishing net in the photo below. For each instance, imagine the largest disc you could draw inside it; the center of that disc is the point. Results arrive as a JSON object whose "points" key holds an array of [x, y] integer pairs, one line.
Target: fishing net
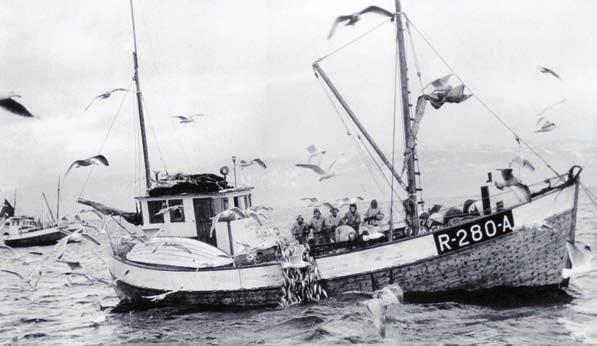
{"points": [[301, 276]]}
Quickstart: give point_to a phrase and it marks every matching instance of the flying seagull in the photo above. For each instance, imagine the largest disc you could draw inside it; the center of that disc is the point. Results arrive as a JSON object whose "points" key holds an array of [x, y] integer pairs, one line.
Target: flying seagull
{"points": [[378, 305], [522, 162], [514, 183], [94, 160], [550, 71], [187, 119], [314, 152], [258, 161], [349, 200], [547, 126], [323, 174], [8, 103], [352, 19], [313, 201], [104, 96], [168, 209], [158, 297]]}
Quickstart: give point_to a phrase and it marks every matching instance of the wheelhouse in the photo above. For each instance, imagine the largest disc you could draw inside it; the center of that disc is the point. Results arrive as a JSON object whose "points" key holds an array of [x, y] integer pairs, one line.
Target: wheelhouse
{"points": [[194, 218]]}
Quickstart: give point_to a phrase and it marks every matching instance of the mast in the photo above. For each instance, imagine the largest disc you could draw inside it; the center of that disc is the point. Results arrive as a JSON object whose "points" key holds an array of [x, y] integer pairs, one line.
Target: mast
{"points": [[140, 104], [58, 200], [409, 153], [48, 206], [356, 121]]}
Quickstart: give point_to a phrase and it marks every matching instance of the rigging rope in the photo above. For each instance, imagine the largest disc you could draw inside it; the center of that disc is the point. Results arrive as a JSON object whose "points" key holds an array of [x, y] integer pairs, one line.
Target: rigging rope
{"points": [[394, 132], [517, 137], [106, 137], [360, 146]]}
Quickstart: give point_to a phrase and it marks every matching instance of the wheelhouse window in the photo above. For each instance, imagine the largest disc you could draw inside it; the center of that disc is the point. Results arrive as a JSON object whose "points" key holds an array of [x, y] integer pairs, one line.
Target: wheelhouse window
{"points": [[176, 214], [248, 202], [154, 207]]}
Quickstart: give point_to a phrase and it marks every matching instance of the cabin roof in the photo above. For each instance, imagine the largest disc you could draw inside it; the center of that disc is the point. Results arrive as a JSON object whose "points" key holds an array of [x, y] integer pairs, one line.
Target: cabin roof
{"points": [[231, 192]]}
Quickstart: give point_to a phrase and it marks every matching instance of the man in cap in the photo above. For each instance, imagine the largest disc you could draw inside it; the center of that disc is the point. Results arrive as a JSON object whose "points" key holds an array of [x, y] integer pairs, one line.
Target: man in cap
{"points": [[352, 217], [316, 226], [300, 230], [374, 215], [330, 223]]}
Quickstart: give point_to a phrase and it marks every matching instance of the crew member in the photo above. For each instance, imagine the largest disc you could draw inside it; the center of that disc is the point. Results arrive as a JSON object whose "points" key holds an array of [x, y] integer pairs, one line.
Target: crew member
{"points": [[300, 230], [352, 217], [374, 215], [316, 226], [330, 223]]}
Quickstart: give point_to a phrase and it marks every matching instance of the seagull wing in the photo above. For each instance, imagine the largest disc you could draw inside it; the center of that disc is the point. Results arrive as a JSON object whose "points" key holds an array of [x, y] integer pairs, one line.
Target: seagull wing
{"points": [[255, 217], [312, 149], [311, 199], [179, 247], [337, 21], [332, 165], [118, 89], [328, 205], [377, 10], [13, 273], [196, 115], [15, 107], [260, 162], [314, 168], [550, 71], [8, 248], [92, 239], [101, 158], [92, 102], [74, 164], [237, 211]]}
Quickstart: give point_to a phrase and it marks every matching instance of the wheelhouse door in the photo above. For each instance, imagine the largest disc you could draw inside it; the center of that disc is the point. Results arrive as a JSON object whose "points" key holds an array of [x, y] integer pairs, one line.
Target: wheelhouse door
{"points": [[204, 211]]}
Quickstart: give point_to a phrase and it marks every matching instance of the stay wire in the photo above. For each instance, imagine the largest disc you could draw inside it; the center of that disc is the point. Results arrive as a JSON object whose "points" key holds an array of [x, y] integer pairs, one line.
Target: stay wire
{"points": [[517, 137], [106, 137]]}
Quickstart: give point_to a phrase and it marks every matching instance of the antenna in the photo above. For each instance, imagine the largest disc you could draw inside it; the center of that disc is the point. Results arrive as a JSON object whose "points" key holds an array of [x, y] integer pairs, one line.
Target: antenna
{"points": [[58, 200], [140, 103]]}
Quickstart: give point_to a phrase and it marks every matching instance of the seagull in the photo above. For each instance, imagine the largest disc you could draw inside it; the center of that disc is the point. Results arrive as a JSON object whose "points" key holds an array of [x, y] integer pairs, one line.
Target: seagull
{"points": [[158, 297], [94, 160], [314, 152], [162, 244], [434, 209], [522, 162], [258, 161], [226, 214], [104, 96], [11, 250], [314, 201], [323, 175], [378, 305], [261, 208], [187, 119], [18, 275], [352, 19], [168, 209], [547, 127], [580, 259], [73, 265], [8, 103], [512, 182], [550, 71], [349, 200]]}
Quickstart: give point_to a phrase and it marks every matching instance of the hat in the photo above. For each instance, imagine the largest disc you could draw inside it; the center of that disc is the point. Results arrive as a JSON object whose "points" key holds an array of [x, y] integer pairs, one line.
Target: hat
{"points": [[316, 210], [300, 217]]}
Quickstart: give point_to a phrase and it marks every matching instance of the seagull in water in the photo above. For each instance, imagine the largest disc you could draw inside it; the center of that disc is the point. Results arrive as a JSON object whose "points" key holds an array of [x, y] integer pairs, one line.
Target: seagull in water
{"points": [[549, 71], [104, 96], [244, 163], [352, 19], [378, 305], [94, 160], [323, 174], [187, 119], [8, 103]]}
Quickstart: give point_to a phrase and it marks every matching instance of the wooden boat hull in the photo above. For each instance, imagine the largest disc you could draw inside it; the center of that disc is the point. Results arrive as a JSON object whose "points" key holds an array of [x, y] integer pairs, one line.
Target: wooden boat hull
{"points": [[42, 237], [531, 255]]}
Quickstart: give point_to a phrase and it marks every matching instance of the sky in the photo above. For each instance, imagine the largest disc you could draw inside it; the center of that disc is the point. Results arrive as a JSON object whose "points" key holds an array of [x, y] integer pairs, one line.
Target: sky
{"points": [[247, 67]]}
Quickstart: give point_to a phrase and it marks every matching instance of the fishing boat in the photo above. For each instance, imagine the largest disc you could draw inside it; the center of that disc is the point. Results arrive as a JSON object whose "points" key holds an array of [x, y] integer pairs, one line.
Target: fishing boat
{"points": [[193, 255], [25, 231]]}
